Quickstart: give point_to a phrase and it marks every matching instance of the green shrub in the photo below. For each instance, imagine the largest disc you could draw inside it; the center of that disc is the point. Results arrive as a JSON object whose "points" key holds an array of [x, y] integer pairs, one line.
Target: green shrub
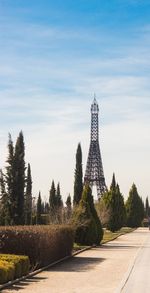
{"points": [[42, 244], [7, 271], [20, 262], [88, 226]]}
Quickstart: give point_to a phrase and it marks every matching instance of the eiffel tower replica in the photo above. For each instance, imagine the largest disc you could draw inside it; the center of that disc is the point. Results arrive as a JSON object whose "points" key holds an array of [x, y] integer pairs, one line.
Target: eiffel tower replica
{"points": [[94, 174]]}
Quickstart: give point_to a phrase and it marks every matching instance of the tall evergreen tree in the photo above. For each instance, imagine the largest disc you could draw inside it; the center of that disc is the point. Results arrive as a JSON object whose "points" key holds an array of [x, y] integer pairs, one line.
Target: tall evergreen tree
{"points": [[10, 182], [4, 202], [52, 197], [114, 202], [86, 221], [53, 202], [39, 210], [59, 202], [113, 183], [78, 181], [28, 198], [134, 208], [147, 207], [68, 207], [19, 184]]}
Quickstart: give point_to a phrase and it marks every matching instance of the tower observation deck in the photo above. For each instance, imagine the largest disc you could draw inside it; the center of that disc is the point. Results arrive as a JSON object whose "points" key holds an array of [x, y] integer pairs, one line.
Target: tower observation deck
{"points": [[94, 174]]}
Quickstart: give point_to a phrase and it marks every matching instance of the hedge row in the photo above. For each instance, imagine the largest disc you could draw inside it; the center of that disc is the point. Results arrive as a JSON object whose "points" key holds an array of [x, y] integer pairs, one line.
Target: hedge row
{"points": [[42, 244], [12, 267]]}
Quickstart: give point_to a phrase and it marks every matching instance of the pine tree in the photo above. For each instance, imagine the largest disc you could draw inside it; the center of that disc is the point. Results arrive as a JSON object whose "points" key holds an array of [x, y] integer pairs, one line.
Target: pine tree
{"points": [[39, 210], [78, 183], [19, 179], [28, 198], [4, 202], [134, 208], [114, 203]]}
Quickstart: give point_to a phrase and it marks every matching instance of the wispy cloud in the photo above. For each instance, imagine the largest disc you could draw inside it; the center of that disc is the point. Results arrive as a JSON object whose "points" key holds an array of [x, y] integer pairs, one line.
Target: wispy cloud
{"points": [[49, 73]]}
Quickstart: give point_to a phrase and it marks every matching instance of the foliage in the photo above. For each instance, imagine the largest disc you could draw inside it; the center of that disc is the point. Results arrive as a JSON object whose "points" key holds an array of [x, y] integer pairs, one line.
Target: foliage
{"points": [[7, 271], [78, 184], [109, 236], [19, 179], [4, 202], [103, 212], [42, 244], [134, 208], [28, 197], [21, 263], [147, 208], [13, 266], [56, 204], [114, 203], [39, 210], [68, 207], [13, 184], [86, 221]]}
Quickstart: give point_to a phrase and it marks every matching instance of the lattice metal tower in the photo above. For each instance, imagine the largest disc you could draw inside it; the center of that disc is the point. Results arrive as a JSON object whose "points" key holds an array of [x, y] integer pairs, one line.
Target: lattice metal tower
{"points": [[94, 174]]}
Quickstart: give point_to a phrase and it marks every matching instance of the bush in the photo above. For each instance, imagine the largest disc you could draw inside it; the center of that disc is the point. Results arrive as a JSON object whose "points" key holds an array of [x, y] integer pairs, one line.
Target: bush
{"points": [[42, 244], [88, 226], [7, 271], [21, 263]]}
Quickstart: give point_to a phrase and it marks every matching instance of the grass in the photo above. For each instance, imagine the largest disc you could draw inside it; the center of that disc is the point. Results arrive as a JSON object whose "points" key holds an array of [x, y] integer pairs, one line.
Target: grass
{"points": [[77, 247], [108, 236]]}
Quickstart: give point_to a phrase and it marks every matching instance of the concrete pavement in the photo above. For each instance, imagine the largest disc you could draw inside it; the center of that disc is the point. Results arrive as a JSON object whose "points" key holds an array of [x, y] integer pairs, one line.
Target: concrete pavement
{"points": [[99, 270], [139, 277]]}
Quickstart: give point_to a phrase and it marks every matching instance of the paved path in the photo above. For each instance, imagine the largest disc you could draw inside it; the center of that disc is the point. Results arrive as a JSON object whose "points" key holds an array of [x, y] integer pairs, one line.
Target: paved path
{"points": [[139, 277], [99, 270]]}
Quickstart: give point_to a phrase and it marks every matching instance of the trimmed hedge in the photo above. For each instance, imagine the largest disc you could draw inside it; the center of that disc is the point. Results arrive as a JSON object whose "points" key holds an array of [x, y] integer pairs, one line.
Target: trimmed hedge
{"points": [[7, 271], [13, 266], [42, 244], [21, 263]]}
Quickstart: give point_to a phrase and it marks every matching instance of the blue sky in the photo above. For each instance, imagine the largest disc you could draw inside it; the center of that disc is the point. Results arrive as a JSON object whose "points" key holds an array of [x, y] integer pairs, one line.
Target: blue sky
{"points": [[53, 56]]}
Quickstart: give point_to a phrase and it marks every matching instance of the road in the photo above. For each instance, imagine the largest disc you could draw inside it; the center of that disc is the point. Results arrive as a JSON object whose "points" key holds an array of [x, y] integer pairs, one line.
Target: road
{"points": [[139, 277], [99, 270]]}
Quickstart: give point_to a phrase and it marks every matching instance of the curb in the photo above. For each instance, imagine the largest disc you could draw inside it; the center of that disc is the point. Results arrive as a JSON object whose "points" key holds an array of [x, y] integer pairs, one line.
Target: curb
{"points": [[10, 283]]}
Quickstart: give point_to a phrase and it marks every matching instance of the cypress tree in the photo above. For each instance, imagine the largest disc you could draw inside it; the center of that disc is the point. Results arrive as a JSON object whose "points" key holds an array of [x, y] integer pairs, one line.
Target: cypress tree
{"points": [[134, 208], [53, 202], [19, 184], [78, 183], [52, 197], [59, 202], [10, 182], [68, 206], [28, 198], [114, 202], [4, 202], [113, 183], [86, 221], [147, 208], [39, 210]]}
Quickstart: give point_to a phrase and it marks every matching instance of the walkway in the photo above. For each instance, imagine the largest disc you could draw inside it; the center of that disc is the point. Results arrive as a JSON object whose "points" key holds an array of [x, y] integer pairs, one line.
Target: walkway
{"points": [[99, 270]]}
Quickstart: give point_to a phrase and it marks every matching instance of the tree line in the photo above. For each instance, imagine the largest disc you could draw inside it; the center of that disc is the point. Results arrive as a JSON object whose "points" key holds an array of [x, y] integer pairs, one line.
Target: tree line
{"points": [[17, 205]]}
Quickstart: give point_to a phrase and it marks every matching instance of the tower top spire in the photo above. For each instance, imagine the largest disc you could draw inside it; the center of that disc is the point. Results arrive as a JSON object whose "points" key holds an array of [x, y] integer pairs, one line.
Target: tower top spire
{"points": [[94, 106]]}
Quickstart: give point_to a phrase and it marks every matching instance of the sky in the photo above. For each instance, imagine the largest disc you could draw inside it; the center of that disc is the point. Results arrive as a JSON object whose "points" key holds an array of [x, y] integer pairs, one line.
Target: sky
{"points": [[54, 55]]}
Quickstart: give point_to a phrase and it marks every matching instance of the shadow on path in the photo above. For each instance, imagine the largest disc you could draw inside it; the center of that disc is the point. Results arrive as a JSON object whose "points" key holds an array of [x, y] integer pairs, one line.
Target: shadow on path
{"points": [[76, 264], [20, 285]]}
